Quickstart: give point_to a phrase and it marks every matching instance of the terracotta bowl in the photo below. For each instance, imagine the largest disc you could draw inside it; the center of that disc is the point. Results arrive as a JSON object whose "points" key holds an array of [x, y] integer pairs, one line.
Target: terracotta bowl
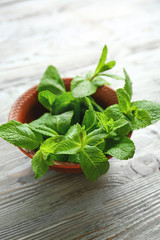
{"points": [[27, 108]]}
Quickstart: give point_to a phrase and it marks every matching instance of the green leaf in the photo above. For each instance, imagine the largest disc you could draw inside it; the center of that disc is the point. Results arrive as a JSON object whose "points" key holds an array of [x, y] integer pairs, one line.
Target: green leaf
{"points": [[107, 66], [44, 130], [96, 137], [63, 102], [122, 149], [93, 162], [60, 123], [121, 127], [67, 147], [81, 87], [140, 119], [90, 119], [20, 135], [105, 122], [102, 60], [114, 112], [51, 81], [124, 100], [128, 84], [39, 165], [98, 81], [74, 158], [112, 76], [40, 120], [50, 144], [152, 108], [46, 98]]}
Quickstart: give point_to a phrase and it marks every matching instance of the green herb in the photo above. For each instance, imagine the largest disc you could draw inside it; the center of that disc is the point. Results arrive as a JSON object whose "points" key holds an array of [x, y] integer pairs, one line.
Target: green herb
{"points": [[52, 81], [76, 129], [20, 135], [40, 163], [86, 86], [93, 162], [60, 123], [122, 149]]}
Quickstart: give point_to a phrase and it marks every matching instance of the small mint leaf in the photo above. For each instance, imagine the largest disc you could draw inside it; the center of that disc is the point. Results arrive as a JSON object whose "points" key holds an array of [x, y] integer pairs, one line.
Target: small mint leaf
{"points": [[60, 123], [39, 165], [102, 60], [50, 144], [90, 119], [124, 100], [67, 147], [128, 84], [93, 162], [123, 149], [152, 108], [114, 112], [44, 130], [46, 98], [107, 66], [98, 81], [51, 81], [81, 87]]}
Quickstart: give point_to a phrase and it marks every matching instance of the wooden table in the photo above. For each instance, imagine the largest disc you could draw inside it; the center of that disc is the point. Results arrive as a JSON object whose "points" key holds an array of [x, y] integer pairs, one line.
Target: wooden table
{"points": [[124, 203]]}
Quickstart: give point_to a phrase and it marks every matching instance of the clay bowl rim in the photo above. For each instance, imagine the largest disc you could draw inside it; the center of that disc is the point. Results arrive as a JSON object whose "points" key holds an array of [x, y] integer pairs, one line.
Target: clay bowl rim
{"points": [[59, 166]]}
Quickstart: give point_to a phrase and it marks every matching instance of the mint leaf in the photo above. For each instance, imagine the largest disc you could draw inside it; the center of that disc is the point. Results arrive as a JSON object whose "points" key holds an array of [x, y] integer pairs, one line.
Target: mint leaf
{"points": [[114, 112], [121, 127], [104, 122], [60, 123], [96, 137], [40, 163], [122, 149], [107, 66], [62, 102], [140, 119], [102, 60], [112, 76], [128, 84], [152, 108], [40, 120], [74, 158], [20, 135], [93, 162], [44, 130], [98, 81], [74, 132], [81, 87], [67, 147], [90, 119], [46, 98], [51, 81], [50, 144], [124, 100]]}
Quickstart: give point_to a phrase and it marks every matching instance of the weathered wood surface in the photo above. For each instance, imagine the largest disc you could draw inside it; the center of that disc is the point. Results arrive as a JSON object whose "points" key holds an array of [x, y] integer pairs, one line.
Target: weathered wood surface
{"points": [[123, 204]]}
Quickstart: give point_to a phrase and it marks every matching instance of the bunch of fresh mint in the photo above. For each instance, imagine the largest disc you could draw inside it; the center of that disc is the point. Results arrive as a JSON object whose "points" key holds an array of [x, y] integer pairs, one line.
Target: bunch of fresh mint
{"points": [[75, 128]]}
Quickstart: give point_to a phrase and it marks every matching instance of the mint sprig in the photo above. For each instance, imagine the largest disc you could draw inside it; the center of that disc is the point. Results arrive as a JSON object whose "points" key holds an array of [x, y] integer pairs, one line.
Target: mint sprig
{"points": [[86, 86]]}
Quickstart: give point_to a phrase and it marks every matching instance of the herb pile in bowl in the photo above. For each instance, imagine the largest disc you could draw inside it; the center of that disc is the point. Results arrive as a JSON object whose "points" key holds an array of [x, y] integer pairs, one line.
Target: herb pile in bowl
{"points": [[75, 128]]}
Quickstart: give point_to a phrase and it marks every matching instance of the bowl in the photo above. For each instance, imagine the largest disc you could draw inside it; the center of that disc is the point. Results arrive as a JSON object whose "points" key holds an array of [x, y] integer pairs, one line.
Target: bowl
{"points": [[27, 108]]}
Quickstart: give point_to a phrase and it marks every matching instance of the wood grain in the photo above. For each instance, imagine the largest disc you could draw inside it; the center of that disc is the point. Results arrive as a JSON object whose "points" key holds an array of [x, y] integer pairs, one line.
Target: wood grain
{"points": [[123, 204]]}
